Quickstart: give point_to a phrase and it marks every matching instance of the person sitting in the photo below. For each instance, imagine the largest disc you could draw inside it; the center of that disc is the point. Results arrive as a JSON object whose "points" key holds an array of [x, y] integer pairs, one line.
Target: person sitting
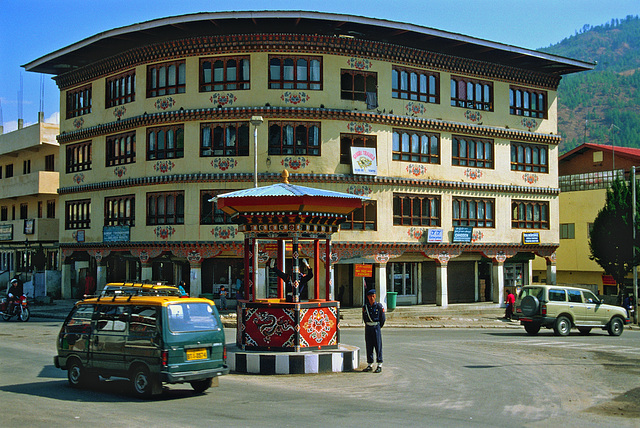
{"points": [[13, 294], [286, 277]]}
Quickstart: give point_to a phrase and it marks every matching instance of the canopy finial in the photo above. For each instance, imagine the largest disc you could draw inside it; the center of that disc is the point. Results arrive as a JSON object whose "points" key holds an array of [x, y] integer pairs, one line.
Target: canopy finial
{"points": [[285, 176]]}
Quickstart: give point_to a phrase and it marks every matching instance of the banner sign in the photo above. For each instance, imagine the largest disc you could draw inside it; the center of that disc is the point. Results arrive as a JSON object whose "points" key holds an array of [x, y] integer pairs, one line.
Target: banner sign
{"points": [[462, 234], [434, 235], [116, 234], [364, 161], [530, 237], [364, 271], [6, 232]]}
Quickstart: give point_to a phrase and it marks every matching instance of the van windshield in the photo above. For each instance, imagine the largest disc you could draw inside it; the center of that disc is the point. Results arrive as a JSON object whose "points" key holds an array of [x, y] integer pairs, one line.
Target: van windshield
{"points": [[537, 292], [192, 317]]}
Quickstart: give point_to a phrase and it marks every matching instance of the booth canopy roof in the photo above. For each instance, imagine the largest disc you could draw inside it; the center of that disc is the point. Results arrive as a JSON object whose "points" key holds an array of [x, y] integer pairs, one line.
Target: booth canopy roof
{"points": [[287, 197]]}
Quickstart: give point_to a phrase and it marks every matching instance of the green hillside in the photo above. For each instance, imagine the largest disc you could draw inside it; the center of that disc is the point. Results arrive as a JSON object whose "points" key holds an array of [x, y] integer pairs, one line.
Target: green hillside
{"points": [[602, 105]]}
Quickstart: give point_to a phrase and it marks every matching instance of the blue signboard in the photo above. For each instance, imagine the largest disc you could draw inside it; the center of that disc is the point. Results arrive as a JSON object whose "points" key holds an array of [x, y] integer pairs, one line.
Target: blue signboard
{"points": [[434, 235], [462, 234], [530, 237], [115, 234]]}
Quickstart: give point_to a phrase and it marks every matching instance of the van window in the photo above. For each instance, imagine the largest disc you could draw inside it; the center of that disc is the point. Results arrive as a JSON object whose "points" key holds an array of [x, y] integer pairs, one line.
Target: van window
{"points": [[557, 295], [589, 297], [143, 320], [191, 317], [111, 318], [79, 320], [575, 296], [532, 291]]}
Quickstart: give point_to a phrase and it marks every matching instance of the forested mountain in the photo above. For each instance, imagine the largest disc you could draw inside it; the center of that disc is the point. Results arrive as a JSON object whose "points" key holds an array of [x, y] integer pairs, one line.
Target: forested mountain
{"points": [[602, 105]]}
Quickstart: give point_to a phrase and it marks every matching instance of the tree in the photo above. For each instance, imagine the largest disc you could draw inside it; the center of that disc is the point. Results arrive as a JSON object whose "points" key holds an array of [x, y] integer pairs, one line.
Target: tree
{"points": [[611, 238]]}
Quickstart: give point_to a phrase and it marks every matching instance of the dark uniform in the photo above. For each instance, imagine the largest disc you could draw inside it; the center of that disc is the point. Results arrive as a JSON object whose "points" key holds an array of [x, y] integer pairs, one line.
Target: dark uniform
{"points": [[288, 281], [374, 317]]}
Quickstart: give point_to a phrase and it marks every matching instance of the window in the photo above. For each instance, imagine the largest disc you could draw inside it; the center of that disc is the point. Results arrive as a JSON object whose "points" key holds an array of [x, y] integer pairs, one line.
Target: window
{"points": [[4, 214], [8, 171], [51, 209], [26, 166], [77, 214], [527, 102], [575, 296], [24, 211], [471, 93], [121, 149], [166, 78], [473, 212], [79, 101], [354, 140], [165, 208], [529, 157], [416, 210], [567, 231], [78, 157], [120, 210], [295, 72], [294, 138], [112, 318], [0, 172], [144, 320], [165, 142], [209, 212], [530, 215], [39, 209], [417, 85], [224, 139], [474, 152], [224, 74], [557, 295], [415, 146], [49, 163], [358, 85], [121, 89], [403, 278], [365, 218]]}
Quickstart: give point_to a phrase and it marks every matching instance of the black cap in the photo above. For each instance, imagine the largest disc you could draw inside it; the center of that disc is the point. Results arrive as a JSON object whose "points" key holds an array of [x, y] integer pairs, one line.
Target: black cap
{"points": [[370, 292]]}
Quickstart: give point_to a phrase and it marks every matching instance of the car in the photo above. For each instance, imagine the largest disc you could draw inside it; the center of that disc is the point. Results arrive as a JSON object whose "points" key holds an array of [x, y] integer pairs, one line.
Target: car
{"points": [[562, 308], [141, 288], [149, 339]]}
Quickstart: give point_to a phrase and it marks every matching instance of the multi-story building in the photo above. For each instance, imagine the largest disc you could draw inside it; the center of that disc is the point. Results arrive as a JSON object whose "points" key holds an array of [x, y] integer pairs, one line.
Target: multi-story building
{"points": [[585, 174], [155, 122], [28, 198]]}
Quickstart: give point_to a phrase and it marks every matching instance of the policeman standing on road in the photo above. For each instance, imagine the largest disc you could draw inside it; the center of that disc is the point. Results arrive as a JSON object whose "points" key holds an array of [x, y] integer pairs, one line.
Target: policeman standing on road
{"points": [[374, 318]]}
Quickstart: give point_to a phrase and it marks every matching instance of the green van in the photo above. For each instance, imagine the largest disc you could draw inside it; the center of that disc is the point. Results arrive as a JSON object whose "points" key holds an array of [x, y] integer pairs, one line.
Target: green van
{"points": [[148, 339]]}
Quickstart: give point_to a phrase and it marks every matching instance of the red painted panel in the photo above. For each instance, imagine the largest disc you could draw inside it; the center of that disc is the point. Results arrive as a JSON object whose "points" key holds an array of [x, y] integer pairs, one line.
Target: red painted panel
{"points": [[318, 327], [270, 327]]}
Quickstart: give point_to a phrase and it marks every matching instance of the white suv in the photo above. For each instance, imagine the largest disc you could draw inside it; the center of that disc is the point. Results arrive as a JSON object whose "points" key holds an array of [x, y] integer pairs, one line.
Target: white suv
{"points": [[561, 308]]}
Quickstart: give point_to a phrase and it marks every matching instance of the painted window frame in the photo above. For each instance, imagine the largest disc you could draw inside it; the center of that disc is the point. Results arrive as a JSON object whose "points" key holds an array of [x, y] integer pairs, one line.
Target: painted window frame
{"points": [[425, 88], [523, 214], [283, 143], [404, 206], [77, 214], [120, 89], [120, 210], [160, 82], [483, 215], [78, 101], [159, 210], [120, 149], [364, 219], [537, 155], [241, 80], [406, 148], [483, 100], [78, 157], [224, 143], [460, 157], [154, 150], [528, 102], [286, 72], [348, 140]]}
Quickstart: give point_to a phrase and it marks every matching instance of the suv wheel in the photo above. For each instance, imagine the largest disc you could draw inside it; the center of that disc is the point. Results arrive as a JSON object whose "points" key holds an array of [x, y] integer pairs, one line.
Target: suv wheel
{"points": [[562, 326], [529, 306], [615, 327], [532, 327]]}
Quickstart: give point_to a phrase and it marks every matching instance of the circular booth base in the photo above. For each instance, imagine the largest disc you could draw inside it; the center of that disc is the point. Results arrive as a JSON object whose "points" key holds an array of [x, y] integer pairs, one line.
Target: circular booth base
{"points": [[344, 359]]}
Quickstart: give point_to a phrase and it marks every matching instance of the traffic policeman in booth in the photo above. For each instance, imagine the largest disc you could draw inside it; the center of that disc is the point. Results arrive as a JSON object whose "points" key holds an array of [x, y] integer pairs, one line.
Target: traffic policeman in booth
{"points": [[374, 318]]}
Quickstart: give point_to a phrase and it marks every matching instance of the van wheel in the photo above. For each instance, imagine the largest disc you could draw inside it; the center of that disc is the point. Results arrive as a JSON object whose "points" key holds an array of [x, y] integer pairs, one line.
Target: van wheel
{"points": [[141, 381], [584, 330], [615, 327], [75, 374], [562, 326], [200, 386], [532, 328]]}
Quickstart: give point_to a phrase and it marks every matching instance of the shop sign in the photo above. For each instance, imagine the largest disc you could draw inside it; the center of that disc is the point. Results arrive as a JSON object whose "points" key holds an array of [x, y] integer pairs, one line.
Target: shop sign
{"points": [[364, 271], [434, 235], [116, 234], [462, 234], [29, 226], [364, 161], [530, 237], [6, 232]]}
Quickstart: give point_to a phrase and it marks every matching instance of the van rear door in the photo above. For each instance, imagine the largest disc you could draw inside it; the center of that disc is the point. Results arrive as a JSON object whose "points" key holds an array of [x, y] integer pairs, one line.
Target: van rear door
{"points": [[108, 339]]}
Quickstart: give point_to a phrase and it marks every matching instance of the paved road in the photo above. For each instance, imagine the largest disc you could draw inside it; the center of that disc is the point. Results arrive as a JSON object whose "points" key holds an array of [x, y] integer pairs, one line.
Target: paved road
{"points": [[431, 377]]}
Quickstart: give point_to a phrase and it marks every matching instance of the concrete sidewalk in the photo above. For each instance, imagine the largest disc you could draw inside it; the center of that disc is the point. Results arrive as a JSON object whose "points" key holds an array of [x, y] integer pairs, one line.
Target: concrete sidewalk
{"points": [[462, 315]]}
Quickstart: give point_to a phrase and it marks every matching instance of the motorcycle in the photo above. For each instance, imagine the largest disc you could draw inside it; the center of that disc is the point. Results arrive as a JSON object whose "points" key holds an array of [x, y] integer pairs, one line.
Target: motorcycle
{"points": [[19, 309]]}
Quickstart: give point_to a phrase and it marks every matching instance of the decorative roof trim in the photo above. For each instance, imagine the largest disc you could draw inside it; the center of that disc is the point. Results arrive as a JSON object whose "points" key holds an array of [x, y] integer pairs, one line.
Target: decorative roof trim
{"points": [[245, 113], [308, 178]]}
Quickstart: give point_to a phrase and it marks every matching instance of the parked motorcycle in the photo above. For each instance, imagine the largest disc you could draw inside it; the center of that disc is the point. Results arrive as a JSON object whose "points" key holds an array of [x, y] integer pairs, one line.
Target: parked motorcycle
{"points": [[19, 309]]}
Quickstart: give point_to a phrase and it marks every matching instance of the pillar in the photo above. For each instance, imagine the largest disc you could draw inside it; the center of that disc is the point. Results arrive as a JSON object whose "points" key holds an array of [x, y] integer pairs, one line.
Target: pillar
{"points": [[551, 272], [442, 284], [497, 281], [101, 275], [65, 286], [195, 279], [328, 271], [296, 270], [281, 264], [316, 264], [381, 283]]}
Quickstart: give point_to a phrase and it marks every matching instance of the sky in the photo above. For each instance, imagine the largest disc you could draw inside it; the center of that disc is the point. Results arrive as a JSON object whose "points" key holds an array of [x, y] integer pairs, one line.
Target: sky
{"points": [[30, 29]]}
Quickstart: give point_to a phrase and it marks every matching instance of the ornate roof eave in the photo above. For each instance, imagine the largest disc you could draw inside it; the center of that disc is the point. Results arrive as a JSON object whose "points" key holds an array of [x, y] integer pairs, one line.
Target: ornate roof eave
{"points": [[304, 113], [309, 178]]}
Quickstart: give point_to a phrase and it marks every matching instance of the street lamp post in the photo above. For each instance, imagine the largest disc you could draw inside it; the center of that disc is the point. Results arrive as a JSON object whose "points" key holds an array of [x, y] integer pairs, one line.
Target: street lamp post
{"points": [[255, 121]]}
